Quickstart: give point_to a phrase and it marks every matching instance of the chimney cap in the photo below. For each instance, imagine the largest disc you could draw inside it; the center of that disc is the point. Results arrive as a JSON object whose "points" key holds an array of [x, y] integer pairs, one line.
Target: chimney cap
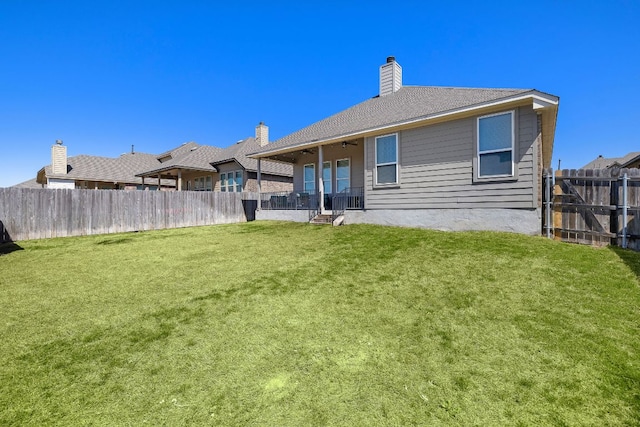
{"points": [[391, 59], [59, 141]]}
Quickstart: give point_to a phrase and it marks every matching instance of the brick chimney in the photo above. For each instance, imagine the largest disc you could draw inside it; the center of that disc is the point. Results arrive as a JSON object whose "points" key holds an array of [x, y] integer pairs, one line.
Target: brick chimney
{"points": [[390, 77], [262, 134], [58, 158]]}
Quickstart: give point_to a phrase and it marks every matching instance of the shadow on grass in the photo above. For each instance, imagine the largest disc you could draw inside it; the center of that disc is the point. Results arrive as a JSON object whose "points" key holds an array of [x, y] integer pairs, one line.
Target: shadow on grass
{"points": [[629, 257], [114, 241], [6, 243], [7, 248]]}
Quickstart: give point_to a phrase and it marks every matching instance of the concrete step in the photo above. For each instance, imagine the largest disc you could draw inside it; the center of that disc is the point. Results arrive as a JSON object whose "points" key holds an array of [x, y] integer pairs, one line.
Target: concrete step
{"points": [[321, 219]]}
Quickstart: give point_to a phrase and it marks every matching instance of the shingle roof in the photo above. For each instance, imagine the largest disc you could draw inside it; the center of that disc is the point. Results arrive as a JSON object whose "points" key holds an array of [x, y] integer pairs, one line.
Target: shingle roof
{"points": [[205, 157], [129, 168], [197, 157], [606, 162], [178, 151], [32, 183], [239, 151], [107, 169], [408, 103]]}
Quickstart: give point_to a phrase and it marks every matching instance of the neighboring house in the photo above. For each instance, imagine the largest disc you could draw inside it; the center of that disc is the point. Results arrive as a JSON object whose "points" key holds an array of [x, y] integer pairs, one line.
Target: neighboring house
{"points": [[190, 166], [32, 183], [94, 172], [206, 168], [631, 160], [436, 157]]}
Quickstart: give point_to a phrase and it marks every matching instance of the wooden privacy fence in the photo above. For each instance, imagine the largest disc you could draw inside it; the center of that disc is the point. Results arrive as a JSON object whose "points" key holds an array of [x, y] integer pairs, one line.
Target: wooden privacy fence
{"points": [[593, 206], [44, 213]]}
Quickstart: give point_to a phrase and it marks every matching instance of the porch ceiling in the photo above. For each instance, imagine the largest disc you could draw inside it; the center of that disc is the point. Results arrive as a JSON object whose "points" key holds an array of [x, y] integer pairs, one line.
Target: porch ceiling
{"points": [[296, 154]]}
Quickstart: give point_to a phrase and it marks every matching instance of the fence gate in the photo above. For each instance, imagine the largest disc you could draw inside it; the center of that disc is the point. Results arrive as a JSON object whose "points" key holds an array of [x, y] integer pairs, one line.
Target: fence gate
{"points": [[593, 206]]}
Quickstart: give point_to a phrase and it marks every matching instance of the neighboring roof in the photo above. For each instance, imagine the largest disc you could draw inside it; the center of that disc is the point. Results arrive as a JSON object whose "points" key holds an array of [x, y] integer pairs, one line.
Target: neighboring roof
{"points": [[178, 151], [121, 169], [206, 157], [607, 162], [196, 157], [32, 183], [410, 104], [238, 152]]}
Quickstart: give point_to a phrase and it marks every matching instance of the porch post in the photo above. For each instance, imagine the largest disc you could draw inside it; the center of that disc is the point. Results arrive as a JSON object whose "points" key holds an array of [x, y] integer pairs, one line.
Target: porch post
{"points": [[179, 179], [259, 176], [320, 181], [159, 182], [143, 182]]}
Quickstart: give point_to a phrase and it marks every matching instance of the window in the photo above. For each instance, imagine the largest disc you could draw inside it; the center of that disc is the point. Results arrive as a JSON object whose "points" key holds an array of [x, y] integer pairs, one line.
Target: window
{"points": [[387, 159], [203, 183], [231, 181], [495, 145], [310, 178], [343, 174], [239, 181], [326, 177], [223, 182]]}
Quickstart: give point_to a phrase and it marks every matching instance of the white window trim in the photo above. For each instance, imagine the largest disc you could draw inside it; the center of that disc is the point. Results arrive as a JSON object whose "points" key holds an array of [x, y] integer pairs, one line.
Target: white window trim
{"points": [[396, 163], [512, 175], [304, 178], [338, 160]]}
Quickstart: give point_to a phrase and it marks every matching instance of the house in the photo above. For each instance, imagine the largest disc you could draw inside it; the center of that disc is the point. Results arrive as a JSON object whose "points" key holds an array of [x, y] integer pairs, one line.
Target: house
{"points": [[95, 172], [190, 166], [205, 168], [631, 160], [438, 157]]}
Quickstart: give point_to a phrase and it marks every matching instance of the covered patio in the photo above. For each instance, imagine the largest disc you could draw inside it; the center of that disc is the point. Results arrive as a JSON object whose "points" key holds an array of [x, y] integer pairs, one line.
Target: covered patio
{"points": [[328, 178]]}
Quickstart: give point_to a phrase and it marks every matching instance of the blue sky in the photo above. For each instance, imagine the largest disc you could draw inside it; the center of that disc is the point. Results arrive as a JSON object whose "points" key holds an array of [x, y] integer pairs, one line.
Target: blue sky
{"points": [[102, 76]]}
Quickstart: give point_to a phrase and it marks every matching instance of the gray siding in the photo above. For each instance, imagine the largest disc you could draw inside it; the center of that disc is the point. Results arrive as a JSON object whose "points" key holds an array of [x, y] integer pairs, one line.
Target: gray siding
{"points": [[436, 169], [333, 153]]}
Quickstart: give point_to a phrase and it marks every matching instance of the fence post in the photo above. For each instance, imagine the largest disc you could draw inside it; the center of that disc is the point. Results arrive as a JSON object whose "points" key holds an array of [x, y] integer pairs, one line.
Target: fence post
{"points": [[625, 179], [557, 207], [548, 201]]}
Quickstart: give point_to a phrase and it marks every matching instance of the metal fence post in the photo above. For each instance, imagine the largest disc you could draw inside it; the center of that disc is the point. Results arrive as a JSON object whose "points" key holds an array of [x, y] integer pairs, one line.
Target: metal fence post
{"points": [[548, 201], [625, 179]]}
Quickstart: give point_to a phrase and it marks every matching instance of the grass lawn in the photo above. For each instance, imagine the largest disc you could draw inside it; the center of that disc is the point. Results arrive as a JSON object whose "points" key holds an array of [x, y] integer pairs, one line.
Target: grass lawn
{"points": [[282, 324]]}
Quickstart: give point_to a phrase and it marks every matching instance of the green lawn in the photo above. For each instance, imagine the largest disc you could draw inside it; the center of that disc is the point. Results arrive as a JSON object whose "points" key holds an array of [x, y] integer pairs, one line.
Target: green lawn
{"points": [[281, 324]]}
